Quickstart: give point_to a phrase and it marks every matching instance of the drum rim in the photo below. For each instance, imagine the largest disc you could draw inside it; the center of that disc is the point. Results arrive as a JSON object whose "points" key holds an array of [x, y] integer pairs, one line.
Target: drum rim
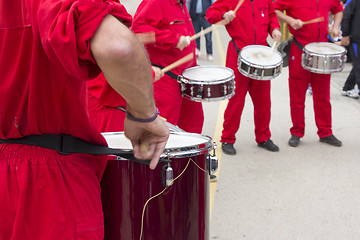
{"points": [[180, 152], [205, 82], [323, 54], [256, 65]]}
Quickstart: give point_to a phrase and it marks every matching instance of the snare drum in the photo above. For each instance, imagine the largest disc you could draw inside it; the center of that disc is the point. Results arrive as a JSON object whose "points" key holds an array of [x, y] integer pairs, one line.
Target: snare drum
{"points": [[323, 57], [181, 212], [207, 83], [260, 62]]}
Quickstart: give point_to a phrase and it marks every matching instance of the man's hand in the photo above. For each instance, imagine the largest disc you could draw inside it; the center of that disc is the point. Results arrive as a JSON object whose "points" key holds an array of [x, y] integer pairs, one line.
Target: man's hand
{"points": [[229, 16], [148, 139], [158, 73], [276, 35], [296, 24], [183, 42], [345, 41]]}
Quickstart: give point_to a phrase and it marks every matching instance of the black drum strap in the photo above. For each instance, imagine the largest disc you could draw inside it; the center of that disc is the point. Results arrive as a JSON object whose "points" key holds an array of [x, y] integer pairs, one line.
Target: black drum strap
{"points": [[298, 44], [169, 73], [66, 144], [237, 49]]}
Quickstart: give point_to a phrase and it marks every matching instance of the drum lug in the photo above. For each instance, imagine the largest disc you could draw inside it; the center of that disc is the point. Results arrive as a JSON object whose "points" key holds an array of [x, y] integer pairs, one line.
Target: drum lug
{"points": [[213, 162], [209, 91], [192, 91], [200, 91], [167, 175], [225, 90]]}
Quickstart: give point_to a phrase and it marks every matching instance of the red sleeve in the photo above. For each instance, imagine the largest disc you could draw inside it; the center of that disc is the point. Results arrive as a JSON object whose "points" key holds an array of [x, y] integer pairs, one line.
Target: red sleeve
{"points": [[150, 17], [66, 28], [216, 11], [273, 20], [336, 7]]}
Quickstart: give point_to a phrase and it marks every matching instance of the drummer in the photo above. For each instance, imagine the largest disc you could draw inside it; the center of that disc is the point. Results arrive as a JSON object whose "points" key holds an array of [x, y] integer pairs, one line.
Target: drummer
{"points": [[299, 78], [250, 25], [170, 21]]}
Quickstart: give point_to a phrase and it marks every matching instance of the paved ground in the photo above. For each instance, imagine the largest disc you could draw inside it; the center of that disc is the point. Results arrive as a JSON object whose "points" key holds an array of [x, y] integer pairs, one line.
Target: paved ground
{"points": [[311, 192]]}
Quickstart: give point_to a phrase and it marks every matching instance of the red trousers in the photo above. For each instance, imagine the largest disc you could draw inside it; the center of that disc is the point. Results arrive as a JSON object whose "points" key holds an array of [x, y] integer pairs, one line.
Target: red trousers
{"points": [[105, 118], [45, 195], [260, 94], [299, 79], [186, 114]]}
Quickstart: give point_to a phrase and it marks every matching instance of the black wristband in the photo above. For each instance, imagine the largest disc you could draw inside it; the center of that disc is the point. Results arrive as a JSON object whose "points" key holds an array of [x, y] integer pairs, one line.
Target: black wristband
{"points": [[146, 120]]}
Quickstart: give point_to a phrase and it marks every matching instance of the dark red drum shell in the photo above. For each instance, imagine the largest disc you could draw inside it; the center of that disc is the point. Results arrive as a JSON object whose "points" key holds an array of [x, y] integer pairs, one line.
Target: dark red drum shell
{"points": [[180, 213]]}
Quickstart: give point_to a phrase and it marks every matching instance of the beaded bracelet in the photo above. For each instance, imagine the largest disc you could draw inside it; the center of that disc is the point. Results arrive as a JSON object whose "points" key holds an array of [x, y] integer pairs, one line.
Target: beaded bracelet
{"points": [[146, 120]]}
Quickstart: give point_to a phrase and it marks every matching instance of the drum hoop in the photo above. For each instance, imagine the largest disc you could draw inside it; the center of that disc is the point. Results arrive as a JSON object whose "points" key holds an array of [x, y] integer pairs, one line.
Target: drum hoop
{"points": [[203, 82], [260, 66], [202, 99], [323, 54], [275, 65], [184, 151], [343, 52]]}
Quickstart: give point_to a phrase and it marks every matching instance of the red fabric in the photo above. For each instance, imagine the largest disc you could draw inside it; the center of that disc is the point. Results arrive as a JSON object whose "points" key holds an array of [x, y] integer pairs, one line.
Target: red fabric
{"points": [[307, 10], [300, 78], [45, 195], [169, 21], [103, 103], [260, 94], [186, 114], [253, 22], [45, 62]]}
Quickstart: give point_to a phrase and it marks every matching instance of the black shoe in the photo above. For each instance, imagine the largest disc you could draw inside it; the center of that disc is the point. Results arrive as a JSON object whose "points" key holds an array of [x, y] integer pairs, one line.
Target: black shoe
{"points": [[332, 140], [294, 141], [269, 145], [228, 148], [213, 178]]}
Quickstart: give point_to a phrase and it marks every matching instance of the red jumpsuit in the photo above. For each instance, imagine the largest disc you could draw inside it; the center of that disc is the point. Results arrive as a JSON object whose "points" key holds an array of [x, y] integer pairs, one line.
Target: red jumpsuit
{"points": [[253, 21], [300, 78], [45, 62], [169, 21]]}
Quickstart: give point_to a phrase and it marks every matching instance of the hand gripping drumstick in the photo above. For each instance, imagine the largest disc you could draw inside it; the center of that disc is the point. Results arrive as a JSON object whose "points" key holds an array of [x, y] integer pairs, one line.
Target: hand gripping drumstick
{"points": [[178, 62], [216, 25], [319, 19]]}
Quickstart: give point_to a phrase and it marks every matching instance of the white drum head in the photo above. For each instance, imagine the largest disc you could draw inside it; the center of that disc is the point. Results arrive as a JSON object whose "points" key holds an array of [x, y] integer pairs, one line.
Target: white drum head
{"points": [[325, 48], [208, 73], [177, 144], [260, 55]]}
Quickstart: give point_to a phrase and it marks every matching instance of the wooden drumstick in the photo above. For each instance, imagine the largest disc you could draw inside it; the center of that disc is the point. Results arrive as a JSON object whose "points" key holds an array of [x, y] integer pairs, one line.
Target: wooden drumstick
{"points": [[178, 62], [144, 147], [273, 46], [319, 19], [238, 6]]}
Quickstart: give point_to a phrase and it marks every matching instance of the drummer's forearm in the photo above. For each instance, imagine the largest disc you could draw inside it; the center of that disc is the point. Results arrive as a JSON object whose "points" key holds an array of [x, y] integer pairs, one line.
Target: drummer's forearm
{"points": [[337, 20], [283, 17]]}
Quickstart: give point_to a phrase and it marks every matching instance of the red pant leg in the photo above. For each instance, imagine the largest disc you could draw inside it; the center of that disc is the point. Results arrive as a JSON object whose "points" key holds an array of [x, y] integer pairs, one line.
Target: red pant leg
{"points": [[48, 195], [320, 84], [236, 103], [260, 95], [299, 79]]}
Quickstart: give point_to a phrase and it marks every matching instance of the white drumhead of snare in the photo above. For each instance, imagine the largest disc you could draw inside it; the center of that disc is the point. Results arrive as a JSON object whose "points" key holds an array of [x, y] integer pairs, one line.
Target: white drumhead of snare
{"points": [[324, 48], [207, 73], [118, 140], [261, 55]]}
